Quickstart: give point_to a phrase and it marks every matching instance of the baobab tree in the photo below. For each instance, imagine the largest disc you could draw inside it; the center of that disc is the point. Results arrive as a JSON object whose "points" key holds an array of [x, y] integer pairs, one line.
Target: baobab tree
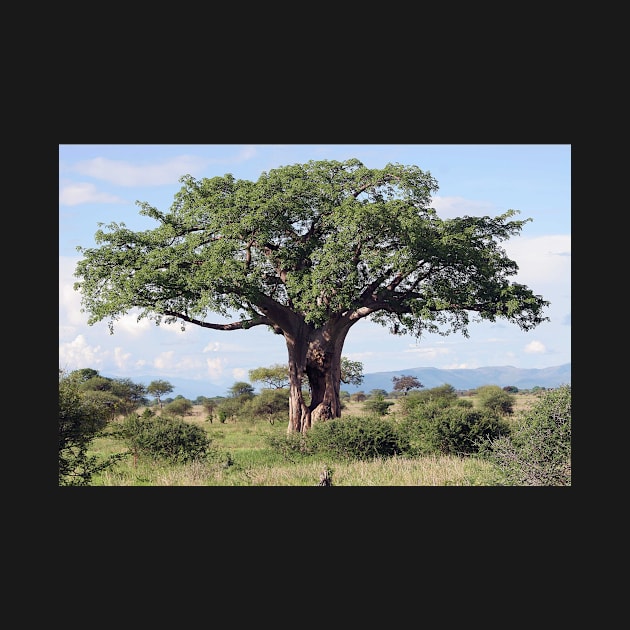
{"points": [[309, 250]]}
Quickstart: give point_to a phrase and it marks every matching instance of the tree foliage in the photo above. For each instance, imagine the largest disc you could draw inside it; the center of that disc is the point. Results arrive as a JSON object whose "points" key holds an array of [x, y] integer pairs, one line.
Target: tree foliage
{"points": [[309, 250], [404, 383], [158, 389], [81, 420], [275, 376], [351, 372]]}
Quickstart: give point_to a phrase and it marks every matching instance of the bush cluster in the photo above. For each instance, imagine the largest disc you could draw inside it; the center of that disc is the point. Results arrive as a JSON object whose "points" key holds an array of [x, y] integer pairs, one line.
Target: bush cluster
{"points": [[355, 438], [166, 438], [538, 450]]}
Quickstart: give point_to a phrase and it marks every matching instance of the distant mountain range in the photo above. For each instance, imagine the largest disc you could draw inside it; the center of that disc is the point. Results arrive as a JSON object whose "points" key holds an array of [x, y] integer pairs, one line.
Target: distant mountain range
{"points": [[428, 376], [469, 379]]}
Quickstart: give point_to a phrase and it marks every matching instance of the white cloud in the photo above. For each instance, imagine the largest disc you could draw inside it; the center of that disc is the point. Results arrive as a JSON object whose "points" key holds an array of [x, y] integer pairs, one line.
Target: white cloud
{"points": [[542, 260], [77, 354], [535, 347], [164, 361], [215, 368], [427, 353], [123, 173], [75, 194], [121, 358], [239, 374], [128, 174]]}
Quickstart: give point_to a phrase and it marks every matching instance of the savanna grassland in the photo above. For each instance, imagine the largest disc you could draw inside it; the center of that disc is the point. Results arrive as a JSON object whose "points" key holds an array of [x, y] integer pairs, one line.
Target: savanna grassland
{"points": [[246, 459]]}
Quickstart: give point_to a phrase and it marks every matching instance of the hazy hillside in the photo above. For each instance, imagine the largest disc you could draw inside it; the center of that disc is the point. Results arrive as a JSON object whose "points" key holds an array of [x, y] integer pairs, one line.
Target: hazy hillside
{"points": [[470, 379], [428, 376]]}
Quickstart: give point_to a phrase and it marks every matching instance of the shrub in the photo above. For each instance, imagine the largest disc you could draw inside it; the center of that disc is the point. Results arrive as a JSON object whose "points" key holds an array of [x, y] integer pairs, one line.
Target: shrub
{"points": [[493, 398], [378, 405], [438, 397], [355, 438], [292, 446], [179, 407], [454, 430], [165, 438], [82, 419], [538, 451]]}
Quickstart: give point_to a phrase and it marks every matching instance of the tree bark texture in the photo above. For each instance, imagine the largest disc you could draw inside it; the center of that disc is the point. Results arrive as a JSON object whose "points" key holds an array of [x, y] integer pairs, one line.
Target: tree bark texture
{"points": [[315, 353]]}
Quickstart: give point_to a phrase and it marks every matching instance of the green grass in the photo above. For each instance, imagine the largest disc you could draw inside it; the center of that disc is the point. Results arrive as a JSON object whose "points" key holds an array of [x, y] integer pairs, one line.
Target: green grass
{"points": [[248, 460]]}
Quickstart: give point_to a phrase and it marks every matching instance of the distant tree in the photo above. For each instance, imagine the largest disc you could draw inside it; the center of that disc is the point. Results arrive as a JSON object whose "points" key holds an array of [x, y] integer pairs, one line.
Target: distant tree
{"points": [[378, 392], [510, 389], [358, 396], [241, 389], [84, 374], [276, 376], [405, 383], [96, 383], [210, 405], [308, 251], [351, 371], [179, 407], [270, 404], [158, 389], [130, 394]]}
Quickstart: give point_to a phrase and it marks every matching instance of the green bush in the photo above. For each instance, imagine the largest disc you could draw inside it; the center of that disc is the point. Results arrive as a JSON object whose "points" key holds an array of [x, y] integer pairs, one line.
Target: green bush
{"points": [[179, 407], [293, 446], [170, 439], [538, 451], [437, 397], [493, 398], [377, 405], [452, 430], [355, 437], [82, 418]]}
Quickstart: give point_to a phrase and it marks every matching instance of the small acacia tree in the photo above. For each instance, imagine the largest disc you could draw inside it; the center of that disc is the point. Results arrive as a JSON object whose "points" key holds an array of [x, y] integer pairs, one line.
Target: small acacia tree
{"points": [[158, 389], [404, 383], [309, 250]]}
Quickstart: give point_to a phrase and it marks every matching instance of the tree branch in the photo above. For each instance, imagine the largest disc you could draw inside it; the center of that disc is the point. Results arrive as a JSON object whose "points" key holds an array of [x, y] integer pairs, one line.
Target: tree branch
{"points": [[243, 324]]}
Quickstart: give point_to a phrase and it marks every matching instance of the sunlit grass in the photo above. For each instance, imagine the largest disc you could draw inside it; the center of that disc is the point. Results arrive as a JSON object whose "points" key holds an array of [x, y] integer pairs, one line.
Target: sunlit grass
{"points": [[246, 459]]}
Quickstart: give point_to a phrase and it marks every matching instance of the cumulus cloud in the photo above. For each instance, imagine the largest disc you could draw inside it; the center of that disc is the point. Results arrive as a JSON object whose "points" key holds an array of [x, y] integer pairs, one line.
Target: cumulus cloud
{"points": [[121, 358], [535, 347], [78, 193], [77, 354], [122, 173], [215, 368], [164, 360]]}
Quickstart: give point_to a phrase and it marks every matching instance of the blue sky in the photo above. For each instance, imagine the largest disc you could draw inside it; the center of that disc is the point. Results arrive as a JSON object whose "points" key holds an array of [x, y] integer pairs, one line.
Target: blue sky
{"points": [[101, 183]]}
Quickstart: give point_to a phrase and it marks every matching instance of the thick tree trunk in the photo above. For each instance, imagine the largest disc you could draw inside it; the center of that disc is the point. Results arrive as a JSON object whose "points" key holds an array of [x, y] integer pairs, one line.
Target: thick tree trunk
{"points": [[299, 413], [316, 353], [323, 369]]}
